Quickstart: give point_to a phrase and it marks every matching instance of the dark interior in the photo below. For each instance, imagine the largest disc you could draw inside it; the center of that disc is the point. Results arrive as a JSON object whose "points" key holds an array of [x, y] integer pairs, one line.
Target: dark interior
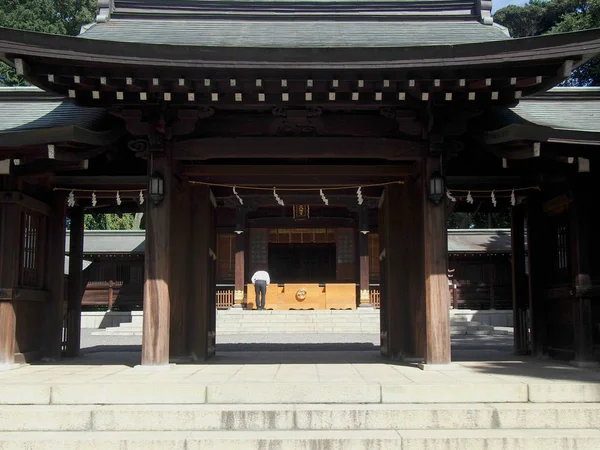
{"points": [[302, 263]]}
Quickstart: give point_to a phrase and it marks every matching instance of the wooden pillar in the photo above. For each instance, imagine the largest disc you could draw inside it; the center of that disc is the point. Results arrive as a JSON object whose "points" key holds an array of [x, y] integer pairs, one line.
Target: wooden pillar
{"points": [[396, 314], [238, 293], [75, 283], [363, 249], [538, 259], [583, 322], [155, 340], [10, 252], [55, 279], [202, 307], [519, 281], [437, 350], [179, 276]]}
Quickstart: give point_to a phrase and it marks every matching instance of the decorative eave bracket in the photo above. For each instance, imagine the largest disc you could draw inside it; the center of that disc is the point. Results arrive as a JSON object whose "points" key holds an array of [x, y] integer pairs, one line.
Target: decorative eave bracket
{"points": [[106, 7], [483, 8]]}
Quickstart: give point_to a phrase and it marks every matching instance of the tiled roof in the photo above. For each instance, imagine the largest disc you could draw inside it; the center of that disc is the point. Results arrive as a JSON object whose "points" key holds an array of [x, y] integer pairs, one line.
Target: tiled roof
{"points": [[132, 241], [297, 34], [563, 108], [296, 23]]}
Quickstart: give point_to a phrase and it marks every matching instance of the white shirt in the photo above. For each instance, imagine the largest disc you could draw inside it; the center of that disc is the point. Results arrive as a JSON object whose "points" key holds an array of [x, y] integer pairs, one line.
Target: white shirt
{"points": [[261, 275]]}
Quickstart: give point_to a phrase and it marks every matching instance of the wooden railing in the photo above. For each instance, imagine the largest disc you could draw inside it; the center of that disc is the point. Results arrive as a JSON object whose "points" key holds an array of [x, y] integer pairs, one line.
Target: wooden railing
{"points": [[113, 295], [468, 297], [375, 298], [224, 298]]}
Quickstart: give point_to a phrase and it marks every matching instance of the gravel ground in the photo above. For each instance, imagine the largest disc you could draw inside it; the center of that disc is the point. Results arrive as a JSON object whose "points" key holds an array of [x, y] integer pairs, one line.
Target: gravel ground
{"points": [[463, 347]]}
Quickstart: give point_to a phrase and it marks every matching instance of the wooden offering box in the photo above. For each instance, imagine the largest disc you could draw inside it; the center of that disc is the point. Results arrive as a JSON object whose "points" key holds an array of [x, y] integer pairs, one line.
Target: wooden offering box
{"points": [[316, 296]]}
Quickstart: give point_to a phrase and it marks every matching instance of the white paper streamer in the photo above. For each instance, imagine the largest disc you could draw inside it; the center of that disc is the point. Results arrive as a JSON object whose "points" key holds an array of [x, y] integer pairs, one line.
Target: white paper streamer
{"points": [[323, 197], [513, 200], [359, 195], [450, 196], [118, 199], [277, 198], [469, 198], [71, 199], [141, 197], [238, 197], [494, 199], [94, 200]]}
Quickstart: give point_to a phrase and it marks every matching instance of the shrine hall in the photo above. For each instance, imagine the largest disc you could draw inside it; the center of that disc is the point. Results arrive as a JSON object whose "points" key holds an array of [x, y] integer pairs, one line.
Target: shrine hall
{"points": [[325, 142]]}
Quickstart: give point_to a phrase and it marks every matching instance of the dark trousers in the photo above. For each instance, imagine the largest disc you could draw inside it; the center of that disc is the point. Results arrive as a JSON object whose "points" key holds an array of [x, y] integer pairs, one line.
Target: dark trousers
{"points": [[260, 286]]}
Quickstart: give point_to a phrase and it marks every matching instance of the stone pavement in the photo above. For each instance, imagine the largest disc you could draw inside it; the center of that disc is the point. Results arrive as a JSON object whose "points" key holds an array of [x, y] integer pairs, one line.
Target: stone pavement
{"points": [[258, 394]]}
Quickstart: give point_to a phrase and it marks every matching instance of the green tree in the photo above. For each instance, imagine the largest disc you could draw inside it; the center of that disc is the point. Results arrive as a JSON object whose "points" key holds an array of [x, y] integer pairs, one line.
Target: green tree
{"points": [[556, 16], [44, 16], [99, 221]]}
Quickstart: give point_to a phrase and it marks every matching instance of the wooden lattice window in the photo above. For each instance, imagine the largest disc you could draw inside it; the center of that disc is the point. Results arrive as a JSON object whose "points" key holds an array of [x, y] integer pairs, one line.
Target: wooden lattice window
{"points": [[30, 273]]}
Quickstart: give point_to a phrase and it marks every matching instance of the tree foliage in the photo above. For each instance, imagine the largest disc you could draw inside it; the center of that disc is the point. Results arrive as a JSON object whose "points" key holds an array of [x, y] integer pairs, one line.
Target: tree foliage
{"points": [[540, 17], [98, 221], [44, 16], [464, 220]]}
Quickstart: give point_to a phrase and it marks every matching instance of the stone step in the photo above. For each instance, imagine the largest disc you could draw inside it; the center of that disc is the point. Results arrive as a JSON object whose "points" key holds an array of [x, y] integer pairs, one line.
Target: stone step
{"points": [[154, 390], [205, 417], [331, 440]]}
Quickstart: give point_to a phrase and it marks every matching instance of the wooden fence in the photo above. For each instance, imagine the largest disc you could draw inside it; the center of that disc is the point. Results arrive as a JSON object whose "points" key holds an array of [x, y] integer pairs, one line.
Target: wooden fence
{"points": [[469, 297], [224, 298]]}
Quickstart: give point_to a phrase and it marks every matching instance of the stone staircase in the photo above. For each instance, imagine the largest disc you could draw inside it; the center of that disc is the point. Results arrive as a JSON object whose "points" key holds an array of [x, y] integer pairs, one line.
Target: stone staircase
{"points": [[177, 416], [363, 321]]}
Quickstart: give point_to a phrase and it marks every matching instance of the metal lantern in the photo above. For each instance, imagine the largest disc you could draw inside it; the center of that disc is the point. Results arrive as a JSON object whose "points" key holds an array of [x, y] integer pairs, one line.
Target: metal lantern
{"points": [[156, 189], [436, 187]]}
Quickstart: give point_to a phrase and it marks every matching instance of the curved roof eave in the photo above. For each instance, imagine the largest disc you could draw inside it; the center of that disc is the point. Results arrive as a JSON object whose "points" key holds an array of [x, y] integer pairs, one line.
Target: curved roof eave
{"points": [[57, 49], [71, 133], [540, 133]]}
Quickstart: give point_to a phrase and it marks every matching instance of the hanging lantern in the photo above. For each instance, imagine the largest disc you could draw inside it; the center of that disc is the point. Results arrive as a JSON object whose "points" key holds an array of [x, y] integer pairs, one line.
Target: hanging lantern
{"points": [[436, 188], [156, 188]]}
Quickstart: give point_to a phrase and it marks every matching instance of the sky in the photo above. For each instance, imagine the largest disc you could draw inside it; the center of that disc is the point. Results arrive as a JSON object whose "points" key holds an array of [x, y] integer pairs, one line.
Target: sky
{"points": [[499, 4]]}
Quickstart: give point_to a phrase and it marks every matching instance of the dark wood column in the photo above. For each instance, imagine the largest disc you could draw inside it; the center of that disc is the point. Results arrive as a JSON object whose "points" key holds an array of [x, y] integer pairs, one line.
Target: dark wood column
{"points": [[437, 295], [363, 249], [238, 293], [155, 341], [519, 281], [75, 284], [202, 309], [393, 266], [179, 277], [55, 278], [583, 321], [538, 256], [10, 250]]}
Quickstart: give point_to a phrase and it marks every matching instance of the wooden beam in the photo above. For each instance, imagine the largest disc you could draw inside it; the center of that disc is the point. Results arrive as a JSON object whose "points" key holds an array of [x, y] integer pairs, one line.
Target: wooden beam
{"points": [[75, 283], [240, 245], [436, 275], [157, 260], [180, 282], [201, 335], [55, 278], [537, 239], [580, 235], [519, 281], [363, 248], [298, 170], [292, 147], [132, 181], [10, 252]]}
